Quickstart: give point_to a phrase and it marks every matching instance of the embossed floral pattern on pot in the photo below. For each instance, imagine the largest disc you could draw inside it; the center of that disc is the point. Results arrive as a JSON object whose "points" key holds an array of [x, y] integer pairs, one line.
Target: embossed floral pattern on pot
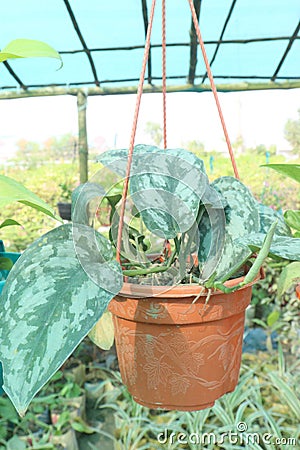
{"points": [[177, 355]]}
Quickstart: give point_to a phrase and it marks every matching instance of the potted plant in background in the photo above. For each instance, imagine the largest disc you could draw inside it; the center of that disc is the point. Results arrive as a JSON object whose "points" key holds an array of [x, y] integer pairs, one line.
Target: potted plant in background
{"points": [[63, 283], [64, 206]]}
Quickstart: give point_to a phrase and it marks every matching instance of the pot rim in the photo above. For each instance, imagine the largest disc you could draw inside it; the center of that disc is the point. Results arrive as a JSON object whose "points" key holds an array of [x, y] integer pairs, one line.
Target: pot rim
{"points": [[181, 290]]}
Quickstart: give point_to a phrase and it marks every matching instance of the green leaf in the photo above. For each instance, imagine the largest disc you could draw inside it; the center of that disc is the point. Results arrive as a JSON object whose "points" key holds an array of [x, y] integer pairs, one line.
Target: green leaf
{"points": [[8, 223], [5, 263], [28, 48], [242, 218], [282, 246], [7, 410], [166, 186], [268, 216], [289, 170], [102, 334], [290, 275], [286, 393], [292, 218], [12, 191], [260, 322], [130, 237], [55, 293], [272, 318], [81, 426], [16, 443]]}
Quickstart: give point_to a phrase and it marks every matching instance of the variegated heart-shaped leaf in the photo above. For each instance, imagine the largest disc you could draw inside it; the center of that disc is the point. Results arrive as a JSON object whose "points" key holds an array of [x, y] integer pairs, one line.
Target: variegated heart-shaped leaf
{"points": [[166, 186], [242, 218], [285, 247], [82, 196], [211, 227], [268, 216], [55, 293]]}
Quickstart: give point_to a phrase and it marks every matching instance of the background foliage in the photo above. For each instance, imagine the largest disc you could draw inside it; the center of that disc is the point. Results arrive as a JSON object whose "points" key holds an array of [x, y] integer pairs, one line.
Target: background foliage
{"points": [[51, 171], [267, 395]]}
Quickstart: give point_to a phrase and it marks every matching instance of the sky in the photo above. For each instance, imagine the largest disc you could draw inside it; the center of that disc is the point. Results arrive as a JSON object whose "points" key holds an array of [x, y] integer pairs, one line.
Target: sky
{"points": [[259, 116]]}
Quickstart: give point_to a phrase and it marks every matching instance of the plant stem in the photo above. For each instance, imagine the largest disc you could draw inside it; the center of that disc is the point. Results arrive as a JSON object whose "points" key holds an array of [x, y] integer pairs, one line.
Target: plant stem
{"points": [[278, 264], [155, 269]]}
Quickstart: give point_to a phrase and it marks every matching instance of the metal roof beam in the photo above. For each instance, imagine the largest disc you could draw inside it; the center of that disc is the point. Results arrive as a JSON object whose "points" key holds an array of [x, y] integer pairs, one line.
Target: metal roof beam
{"points": [[221, 37], [193, 45], [181, 44], [79, 34], [81, 84], [14, 75], [291, 41], [146, 22]]}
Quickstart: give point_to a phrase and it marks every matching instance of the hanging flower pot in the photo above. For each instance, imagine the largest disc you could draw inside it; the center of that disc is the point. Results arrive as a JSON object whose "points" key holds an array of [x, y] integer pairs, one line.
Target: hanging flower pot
{"points": [[174, 354], [179, 341]]}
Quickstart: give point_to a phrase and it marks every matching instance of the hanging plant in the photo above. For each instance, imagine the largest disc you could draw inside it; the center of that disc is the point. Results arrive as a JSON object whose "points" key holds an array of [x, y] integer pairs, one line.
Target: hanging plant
{"points": [[63, 283], [179, 338]]}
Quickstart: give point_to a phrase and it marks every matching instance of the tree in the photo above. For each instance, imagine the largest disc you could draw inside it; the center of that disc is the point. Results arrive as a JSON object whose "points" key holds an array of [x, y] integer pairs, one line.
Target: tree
{"points": [[239, 144], [54, 149], [62, 148], [196, 147], [28, 153], [292, 133]]}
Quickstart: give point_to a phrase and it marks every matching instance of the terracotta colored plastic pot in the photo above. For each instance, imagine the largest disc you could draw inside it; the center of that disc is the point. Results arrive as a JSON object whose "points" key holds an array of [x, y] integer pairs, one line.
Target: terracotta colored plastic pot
{"points": [[174, 354]]}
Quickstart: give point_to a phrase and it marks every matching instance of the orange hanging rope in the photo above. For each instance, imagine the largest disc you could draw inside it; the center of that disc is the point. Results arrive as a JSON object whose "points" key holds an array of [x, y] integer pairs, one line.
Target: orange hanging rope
{"points": [[213, 87], [138, 102], [164, 77], [133, 132]]}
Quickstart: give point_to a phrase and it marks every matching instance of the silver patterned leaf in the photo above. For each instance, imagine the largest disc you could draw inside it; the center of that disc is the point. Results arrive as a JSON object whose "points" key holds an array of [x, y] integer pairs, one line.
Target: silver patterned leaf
{"points": [[116, 160], [166, 186], [82, 197], [211, 227], [49, 304], [268, 216], [242, 218], [285, 247]]}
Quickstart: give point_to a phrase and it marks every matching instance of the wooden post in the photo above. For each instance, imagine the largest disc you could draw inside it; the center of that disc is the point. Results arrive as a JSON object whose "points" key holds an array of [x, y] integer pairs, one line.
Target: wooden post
{"points": [[82, 136]]}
